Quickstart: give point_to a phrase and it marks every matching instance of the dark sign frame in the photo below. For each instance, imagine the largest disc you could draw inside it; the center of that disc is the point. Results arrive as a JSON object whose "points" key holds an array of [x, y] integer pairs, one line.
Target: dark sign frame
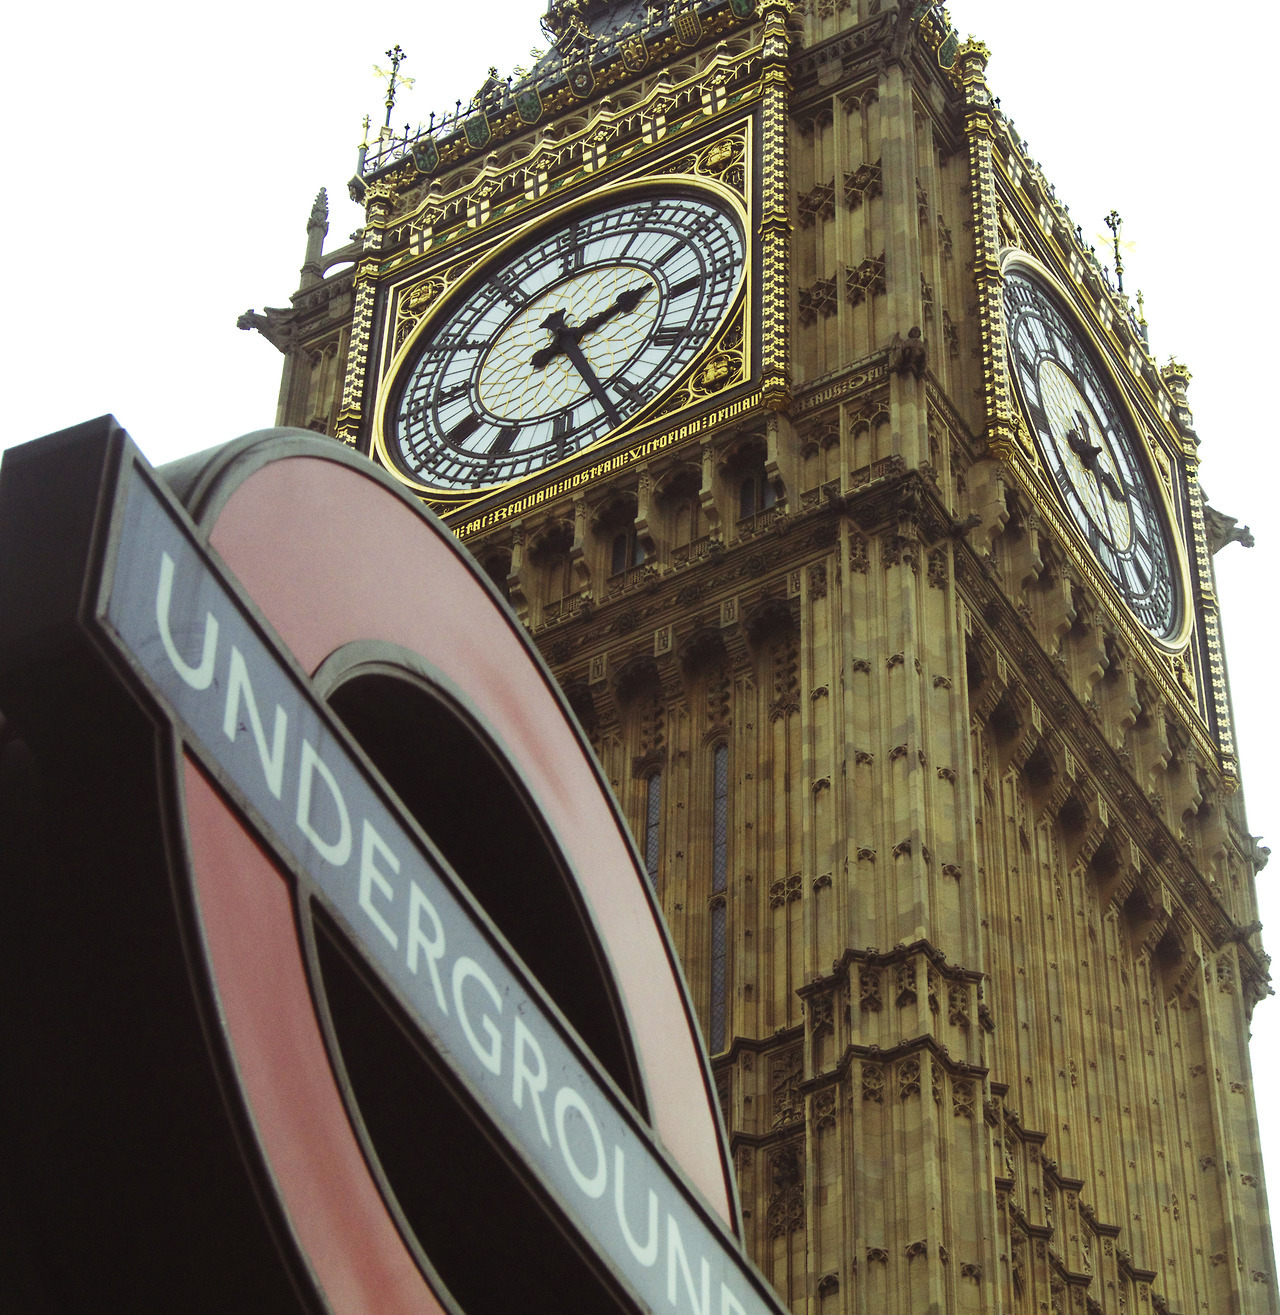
{"points": [[100, 515]]}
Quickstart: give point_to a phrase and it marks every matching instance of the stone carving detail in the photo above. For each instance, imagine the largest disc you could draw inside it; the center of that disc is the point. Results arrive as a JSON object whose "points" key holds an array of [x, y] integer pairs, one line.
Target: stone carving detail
{"points": [[944, 237], [958, 1005], [866, 280], [828, 1285], [719, 688], [820, 1017], [971, 1271], [784, 890], [873, 1083], [1018, 1261], [909, 355], [962, 1098], [824, 1109], [786, 1196], [817, 299], [877, 1255], [786, 678], [653, 724], [786, 1102], [917, 1249], [938, 568], [817, 203], [866, 181], [1226, 974], [869, 990], [908, 1078], [857, 553], [818, 581], [950, 335], [906, 985]]}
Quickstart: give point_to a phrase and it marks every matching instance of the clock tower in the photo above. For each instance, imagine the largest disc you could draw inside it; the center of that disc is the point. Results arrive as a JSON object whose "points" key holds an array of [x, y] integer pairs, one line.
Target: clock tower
{"points": [[761, 369]]}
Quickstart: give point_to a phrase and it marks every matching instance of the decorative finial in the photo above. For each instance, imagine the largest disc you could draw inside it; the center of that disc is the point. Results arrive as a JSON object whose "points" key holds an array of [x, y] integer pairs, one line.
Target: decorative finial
{"points": [[1113, 222], [364, 139], [395, 80], [1142, 319], [1177, 376]]}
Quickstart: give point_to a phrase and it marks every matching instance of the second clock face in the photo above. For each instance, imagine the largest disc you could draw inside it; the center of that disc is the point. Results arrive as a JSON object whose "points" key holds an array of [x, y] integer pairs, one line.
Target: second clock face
{"points": [[562, 341], [1090, 452]]}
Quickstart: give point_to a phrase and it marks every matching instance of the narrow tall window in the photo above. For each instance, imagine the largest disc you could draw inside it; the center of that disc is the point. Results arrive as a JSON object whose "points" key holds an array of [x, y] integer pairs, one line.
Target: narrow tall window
{"points": [[755, 493], [653, 815], [626, 551], [719, 888]]}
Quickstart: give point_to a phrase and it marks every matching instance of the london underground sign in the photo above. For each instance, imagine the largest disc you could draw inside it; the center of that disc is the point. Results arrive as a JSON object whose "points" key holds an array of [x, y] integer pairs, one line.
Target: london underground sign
{"points": [[287, 849]]}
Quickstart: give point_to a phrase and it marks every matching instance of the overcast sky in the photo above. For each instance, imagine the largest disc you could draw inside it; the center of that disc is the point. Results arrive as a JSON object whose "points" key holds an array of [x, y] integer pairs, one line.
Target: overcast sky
{"points": [[162, 160]]}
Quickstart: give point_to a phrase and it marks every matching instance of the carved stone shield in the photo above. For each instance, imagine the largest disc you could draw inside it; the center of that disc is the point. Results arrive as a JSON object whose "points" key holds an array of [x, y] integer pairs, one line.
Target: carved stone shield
{"points": [[425, 155]]}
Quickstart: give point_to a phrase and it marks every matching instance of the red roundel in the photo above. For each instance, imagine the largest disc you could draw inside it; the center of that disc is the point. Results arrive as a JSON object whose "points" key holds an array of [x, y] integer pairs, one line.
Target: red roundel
{"points": [[433, 676]]}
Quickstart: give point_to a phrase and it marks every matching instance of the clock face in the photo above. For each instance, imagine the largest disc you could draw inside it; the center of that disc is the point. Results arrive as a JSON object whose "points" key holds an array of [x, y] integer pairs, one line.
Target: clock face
{"points": [[561, 341], [1090, 452]]}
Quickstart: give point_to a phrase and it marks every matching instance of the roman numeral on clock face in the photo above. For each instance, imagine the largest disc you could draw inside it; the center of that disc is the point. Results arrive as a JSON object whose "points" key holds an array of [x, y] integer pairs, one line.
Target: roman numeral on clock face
{"points": [[687, 286], [502, 442], [462, 430], [628, 390]]}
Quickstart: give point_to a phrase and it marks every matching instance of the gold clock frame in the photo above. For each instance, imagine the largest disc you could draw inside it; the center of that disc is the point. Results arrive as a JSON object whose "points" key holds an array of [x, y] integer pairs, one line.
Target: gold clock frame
{"points": [[737, 321]]}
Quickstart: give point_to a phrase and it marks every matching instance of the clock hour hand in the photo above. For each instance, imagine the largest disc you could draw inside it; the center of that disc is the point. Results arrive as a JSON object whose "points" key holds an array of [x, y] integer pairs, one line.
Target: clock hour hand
{"points": [[564, 339], [1111, 484], [1085, 450], [561, 333], [624, 305]]}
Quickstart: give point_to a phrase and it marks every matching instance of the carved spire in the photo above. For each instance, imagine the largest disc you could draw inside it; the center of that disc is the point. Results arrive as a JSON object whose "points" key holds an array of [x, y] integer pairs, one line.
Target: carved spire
{"points": [[317, 231]]}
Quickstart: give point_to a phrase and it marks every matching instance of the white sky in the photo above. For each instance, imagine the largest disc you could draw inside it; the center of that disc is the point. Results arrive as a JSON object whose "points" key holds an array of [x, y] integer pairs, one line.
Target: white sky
{"points": [[162, 159]]}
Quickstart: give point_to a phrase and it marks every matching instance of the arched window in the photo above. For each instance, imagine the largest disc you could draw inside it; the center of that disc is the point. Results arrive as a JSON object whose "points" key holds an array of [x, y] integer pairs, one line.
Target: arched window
{"points": [[755, 493], [719, 889], [652, 819], [497, 566], [626, 551]]}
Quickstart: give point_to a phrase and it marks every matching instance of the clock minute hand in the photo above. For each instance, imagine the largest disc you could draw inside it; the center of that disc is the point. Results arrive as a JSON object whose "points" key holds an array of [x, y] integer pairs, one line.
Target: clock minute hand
{"points": [[560, 332], [624, 305], [578, 359], [1112, 485]]}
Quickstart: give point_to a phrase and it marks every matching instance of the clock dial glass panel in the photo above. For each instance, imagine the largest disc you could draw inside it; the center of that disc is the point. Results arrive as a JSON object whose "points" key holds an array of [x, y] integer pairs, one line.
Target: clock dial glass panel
{"points": [[1090, 452], [560, 342]]}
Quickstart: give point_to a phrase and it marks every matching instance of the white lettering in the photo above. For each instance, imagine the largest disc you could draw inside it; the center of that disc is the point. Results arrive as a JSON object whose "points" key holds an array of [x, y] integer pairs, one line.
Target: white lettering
{"points": [[370, 841], [237, 685], [594, 1186], [200, 677], [648, 1253], [729, 1304], [338, 851], [523, 1076], [464, 969], [434, 948], [676, 1244]]}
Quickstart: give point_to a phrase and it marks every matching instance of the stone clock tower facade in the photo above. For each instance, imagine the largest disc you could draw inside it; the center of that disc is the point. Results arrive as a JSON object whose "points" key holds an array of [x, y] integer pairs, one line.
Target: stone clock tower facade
{"points": [[760, 368]]}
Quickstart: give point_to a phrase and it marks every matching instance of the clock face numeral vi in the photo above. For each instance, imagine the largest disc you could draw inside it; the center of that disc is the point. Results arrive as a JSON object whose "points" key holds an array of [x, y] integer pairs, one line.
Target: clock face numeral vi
{"points": [[1090, 452], [561, 341]]}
